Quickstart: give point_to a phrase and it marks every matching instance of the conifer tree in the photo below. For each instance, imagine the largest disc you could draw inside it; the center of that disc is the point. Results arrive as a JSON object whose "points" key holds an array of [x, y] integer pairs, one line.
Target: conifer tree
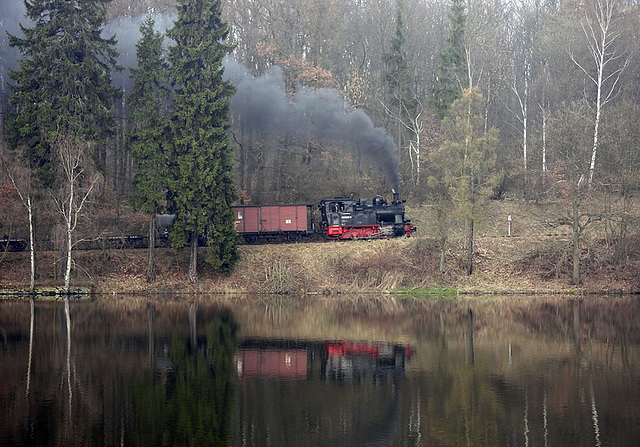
{"points": [[63, 96], [451, 77], [63, 84], [396, 75], [146, 136], [467, 161], [200, 180]]}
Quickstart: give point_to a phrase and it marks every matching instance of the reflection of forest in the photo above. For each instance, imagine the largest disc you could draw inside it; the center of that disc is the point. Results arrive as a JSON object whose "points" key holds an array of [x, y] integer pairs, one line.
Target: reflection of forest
{"points": [[540, 371], [108, 374], [545, 371]]}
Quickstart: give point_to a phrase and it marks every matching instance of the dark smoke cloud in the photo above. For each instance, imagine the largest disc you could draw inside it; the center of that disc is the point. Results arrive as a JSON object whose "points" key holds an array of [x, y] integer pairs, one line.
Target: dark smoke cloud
{"points": [[260, 105], [11, 15]]}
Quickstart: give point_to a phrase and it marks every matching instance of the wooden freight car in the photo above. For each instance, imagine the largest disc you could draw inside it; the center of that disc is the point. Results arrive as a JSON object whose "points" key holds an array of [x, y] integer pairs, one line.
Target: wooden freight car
{"points": [[264, 222]]}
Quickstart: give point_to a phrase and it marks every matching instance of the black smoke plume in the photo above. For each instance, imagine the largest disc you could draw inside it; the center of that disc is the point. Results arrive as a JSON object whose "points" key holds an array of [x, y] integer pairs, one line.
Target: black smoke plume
{"points": [[322, 114]]}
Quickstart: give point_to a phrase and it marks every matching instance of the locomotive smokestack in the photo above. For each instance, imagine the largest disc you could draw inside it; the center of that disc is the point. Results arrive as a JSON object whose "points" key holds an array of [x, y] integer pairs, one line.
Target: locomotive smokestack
{"points": [[396, 196]]}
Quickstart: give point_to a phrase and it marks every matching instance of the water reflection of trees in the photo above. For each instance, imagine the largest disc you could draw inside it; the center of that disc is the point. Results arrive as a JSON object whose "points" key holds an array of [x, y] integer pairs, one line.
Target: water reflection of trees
{"points": [[69, 369], [189, 403], [545, 371], [313, 392]]}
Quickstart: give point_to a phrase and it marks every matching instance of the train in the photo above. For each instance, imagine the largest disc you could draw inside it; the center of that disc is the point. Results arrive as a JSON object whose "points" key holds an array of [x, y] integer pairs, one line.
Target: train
{"points": [[341, 218]]}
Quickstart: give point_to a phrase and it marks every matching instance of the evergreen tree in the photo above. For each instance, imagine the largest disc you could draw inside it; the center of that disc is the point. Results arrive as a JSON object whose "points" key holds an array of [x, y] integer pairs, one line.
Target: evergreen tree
{"points": [[397, 79], [146, 137], [396, 74], [63, 96], [451, 73], [63, 84], [200, 160], [467, 160]]}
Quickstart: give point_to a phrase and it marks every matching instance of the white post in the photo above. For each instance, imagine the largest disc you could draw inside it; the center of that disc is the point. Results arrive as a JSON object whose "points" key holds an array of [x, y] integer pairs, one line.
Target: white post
{"points": [[509, 219]]}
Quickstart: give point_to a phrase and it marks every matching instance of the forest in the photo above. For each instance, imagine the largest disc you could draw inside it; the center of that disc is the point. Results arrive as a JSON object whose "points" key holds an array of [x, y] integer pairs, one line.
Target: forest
{"points": [[452, 102]]}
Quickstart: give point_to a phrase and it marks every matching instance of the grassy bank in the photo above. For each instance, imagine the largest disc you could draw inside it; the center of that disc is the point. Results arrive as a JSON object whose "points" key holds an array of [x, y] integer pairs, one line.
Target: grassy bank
{"points": [[533, 259]]}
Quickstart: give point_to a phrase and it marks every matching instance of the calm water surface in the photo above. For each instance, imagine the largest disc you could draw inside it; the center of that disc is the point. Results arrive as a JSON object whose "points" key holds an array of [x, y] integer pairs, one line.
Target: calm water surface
{"points": [[315, 371]]}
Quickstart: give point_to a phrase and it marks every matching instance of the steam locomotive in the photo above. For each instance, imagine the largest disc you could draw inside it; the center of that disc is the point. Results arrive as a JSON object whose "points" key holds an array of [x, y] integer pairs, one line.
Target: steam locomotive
{"points": [[345, 218], [341, 218]]}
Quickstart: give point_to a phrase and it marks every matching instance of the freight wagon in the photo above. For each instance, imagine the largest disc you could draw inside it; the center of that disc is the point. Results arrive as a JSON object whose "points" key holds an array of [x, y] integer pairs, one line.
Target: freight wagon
{"points": [[255, 222]]}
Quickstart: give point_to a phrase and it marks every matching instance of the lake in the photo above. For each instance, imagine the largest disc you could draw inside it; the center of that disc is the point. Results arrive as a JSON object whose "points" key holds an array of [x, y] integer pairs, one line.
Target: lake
{"points": [[362, 370]]}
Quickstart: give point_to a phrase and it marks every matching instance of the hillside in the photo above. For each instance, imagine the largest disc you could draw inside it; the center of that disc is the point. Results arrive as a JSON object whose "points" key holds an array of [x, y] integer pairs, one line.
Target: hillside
{"points": [[535, 258]]}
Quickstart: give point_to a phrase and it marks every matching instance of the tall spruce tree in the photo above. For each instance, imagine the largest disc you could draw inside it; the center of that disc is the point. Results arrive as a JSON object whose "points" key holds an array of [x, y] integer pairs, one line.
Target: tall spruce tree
{"points": [[396, 75], [63, 84], [200, 160], [63, 96], [451, 76], [148, 117]]}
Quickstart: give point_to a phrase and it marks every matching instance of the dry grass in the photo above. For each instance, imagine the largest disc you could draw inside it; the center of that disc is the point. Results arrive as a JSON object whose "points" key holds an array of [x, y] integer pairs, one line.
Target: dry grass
{"points": [[535, 258]]}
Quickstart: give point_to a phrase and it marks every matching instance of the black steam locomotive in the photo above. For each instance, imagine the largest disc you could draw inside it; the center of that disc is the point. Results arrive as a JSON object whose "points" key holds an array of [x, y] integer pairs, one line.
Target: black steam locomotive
{"points": [[345, 218]]}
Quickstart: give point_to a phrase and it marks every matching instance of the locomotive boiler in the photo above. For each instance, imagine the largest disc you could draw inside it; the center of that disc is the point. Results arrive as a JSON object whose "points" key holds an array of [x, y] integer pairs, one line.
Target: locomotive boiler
{"points": [[346, 219]]}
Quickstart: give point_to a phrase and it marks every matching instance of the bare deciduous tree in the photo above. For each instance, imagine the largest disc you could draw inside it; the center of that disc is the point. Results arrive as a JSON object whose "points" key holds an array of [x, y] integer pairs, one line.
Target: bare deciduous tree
{"points": [[77, 188], [601, 31], [23, 187]]}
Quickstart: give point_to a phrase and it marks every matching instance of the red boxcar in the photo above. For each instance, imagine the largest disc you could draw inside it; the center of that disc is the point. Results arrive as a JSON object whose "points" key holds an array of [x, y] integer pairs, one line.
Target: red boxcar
{"points": [[256, 222], [291, 363]]}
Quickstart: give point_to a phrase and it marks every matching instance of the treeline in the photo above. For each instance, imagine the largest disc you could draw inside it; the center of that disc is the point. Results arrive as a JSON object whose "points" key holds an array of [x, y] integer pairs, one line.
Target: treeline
{"points": [[526, 100]]}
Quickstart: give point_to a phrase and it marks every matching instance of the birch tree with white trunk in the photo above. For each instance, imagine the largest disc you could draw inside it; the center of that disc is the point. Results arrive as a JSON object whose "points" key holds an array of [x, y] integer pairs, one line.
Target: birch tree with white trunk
{"points": [[23, 187], [545, 115], [601, 29], [413, 122], [76, 192]]}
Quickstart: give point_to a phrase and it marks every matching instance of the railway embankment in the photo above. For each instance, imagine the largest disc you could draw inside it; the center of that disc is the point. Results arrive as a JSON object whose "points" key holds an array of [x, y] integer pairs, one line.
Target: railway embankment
{"points": [[527, 253]]}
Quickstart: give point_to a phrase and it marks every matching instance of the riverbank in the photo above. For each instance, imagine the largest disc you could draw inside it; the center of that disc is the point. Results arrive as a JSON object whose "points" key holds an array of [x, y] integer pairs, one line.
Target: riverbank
{"points": [[503, 265], [533, 259]]}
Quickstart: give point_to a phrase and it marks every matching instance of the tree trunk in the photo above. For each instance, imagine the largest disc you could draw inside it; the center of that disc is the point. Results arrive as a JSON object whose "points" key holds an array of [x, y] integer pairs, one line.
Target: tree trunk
{"points": [[443, 249], [596, 127], [575, 277], [620, 243], [32, 251], [151, 269], [277, 180], [544, 148], [470, 249], [69, 234], [193, 259]]}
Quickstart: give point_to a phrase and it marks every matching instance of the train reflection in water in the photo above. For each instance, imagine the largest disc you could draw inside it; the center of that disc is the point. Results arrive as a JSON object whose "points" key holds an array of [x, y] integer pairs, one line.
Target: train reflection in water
{"points": [[325, 360]]}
